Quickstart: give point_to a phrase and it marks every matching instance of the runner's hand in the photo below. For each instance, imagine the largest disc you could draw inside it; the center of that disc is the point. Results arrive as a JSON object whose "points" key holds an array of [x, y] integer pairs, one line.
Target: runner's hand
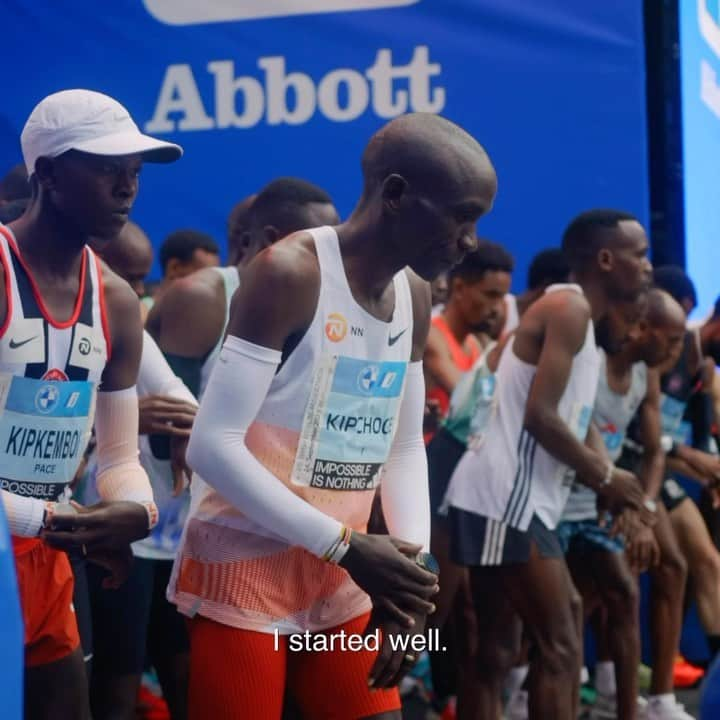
{"points": [[395, 584], [391, 666], [432, 416], [623, 491], [118, 562], [160, 415], [182, 474], [107, 525], [627, 524], [642, 550]]}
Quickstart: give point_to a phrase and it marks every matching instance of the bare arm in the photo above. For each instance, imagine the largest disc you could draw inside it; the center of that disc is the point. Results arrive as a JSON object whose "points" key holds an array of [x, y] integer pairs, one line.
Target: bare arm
{"points": [[565, 326], [653, 464], [125, 326]]}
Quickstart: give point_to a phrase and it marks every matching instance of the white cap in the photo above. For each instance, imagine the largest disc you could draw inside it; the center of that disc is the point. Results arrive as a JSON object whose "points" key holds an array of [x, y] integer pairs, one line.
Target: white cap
{"points": [[91, 122]]}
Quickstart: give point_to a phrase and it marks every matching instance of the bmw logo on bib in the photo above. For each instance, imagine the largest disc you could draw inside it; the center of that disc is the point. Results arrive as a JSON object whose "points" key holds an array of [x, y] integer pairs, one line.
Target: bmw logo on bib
{"points": [[367, 379], [46, 399]]}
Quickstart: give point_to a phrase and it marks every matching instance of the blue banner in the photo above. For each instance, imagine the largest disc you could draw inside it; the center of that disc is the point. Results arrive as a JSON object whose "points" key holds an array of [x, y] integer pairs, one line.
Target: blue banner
{"points": [[255, 89], [700, 64]]}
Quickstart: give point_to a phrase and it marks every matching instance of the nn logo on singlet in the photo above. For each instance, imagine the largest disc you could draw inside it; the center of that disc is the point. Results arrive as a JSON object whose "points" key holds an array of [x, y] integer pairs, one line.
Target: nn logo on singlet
{"points": [[336, 327]]}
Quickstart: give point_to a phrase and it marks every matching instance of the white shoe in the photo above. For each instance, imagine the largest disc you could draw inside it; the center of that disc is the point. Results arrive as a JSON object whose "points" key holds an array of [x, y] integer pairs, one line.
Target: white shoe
{"points": [[665, 709], [517, 706], [605, 707]]}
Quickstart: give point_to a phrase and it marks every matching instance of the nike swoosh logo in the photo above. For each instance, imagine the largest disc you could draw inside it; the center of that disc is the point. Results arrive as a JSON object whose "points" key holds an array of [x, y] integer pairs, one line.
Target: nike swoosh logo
{"points": [[15, 345], [393, 339]]}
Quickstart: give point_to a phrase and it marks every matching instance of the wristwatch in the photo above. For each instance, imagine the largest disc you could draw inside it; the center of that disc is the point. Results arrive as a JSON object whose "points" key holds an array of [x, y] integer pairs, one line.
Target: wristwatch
{"points": [[428, 562], [650, 505], [667, 443]]}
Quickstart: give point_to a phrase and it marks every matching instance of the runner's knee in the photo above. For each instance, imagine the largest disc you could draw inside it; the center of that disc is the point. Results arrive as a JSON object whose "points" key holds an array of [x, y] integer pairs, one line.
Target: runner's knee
{"points": [[622, 597], [559, 652], [496, 656], [671, 573]]}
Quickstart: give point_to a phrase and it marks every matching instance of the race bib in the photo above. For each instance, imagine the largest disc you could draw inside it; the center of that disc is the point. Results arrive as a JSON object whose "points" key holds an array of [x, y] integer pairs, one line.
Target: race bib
{"points": [[671, 418], [349, 423], [613, 440], [44, 430], [483, 409]]}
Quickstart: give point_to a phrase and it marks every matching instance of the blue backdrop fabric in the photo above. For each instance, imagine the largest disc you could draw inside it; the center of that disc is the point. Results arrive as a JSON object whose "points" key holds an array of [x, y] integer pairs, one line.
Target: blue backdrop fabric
{"points": [[554, 90]]}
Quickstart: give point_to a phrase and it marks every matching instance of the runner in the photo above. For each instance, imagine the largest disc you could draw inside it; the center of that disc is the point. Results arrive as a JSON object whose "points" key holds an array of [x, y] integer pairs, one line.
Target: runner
{"points": [[477, 289], [685, 398], [478, 286], [69, 324], [189, 322], [323, 303], [507, 497], [599, 567], [136, 622]]}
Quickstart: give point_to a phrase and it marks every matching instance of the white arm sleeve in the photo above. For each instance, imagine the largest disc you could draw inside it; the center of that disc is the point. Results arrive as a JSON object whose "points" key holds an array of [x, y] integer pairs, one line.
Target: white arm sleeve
{"points": [[217, 451], [156, 377], [404, 489], [120, 475], [24, 515]]}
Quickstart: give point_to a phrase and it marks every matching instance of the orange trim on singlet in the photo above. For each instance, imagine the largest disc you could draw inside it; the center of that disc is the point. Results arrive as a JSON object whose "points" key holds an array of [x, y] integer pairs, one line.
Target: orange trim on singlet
{"points": [[64, 324], [460, 357], [103, 309], [8, 290]]}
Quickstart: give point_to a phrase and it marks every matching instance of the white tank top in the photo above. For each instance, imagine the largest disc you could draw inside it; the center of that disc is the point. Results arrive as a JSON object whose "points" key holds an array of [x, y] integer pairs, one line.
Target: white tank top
{"points": [[231, 282], [612, 415], [325, 430], [512, 314], [49, 373], [510, 477]]}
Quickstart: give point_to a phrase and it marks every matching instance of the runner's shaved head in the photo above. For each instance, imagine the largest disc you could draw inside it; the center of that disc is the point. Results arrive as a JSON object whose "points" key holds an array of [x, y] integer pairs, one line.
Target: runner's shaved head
{"points": [[423, 149], [130, 255], [130, 244], [663, 310]]}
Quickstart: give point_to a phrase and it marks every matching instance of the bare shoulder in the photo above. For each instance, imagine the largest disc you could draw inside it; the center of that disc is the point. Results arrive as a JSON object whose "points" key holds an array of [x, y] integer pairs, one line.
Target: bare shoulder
{"points": [[292, 260], [199, 291], [561, 308], [422, 310], [119, 296], [279, 292], [205, 282], [560, 318]]}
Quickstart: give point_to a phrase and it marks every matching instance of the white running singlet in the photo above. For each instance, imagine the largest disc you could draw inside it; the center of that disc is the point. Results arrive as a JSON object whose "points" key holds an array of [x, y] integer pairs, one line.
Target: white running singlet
{"points": [[511, 477], [612, 415], [325, 430]]}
